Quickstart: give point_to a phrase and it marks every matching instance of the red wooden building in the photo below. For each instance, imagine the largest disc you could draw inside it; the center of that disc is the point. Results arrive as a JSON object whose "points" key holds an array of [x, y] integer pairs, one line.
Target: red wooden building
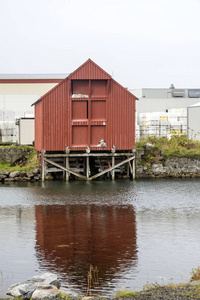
{"points": [[86, 114]]}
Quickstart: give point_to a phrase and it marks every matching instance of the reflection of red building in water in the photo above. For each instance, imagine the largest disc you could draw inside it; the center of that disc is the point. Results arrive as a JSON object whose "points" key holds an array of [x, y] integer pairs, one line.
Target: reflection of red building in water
{"points": [[71, 238]]}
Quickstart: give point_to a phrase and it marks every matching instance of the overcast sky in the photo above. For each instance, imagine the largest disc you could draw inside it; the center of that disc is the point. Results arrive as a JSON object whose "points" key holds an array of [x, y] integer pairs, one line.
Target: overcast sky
{"points": [[141, 43]]}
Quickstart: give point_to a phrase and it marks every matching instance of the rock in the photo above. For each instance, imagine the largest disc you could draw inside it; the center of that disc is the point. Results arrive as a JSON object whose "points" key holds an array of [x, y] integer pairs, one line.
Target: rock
{"points": [[26, 178], [158, 170], [48, 278], [35, 171], [192, 169], [45, 291], [18, 179], [14, 174], [29, 174], [26, 289], [12, 154], [22, 174], [8, 179]]}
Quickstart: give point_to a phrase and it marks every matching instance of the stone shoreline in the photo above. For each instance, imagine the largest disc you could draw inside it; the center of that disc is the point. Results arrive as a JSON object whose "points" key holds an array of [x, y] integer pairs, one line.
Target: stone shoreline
{"points": [[169, 168], [47, 286], [20, 176], [165, 293]]}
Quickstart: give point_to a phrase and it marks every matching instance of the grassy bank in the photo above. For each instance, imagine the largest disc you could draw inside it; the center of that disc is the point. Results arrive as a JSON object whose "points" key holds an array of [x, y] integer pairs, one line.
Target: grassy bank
{"points": [[164, 292], [190, 290], [26, 163], [177, 146]]}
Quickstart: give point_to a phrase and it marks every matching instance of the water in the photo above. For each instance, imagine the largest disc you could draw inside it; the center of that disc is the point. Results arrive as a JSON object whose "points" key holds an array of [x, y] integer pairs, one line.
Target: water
{"points": [[132, 232]]}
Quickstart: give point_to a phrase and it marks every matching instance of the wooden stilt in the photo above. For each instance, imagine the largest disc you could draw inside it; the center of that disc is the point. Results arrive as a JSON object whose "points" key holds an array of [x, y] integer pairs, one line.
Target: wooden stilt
{"points": [[113, 150], [87, 166], [113, 171], [43, 166], [67, 174], [133, 169]]}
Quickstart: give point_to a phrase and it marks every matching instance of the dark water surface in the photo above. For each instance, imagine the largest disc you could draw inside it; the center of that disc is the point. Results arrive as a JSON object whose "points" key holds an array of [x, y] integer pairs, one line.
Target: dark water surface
{"points": [[133, 232]]}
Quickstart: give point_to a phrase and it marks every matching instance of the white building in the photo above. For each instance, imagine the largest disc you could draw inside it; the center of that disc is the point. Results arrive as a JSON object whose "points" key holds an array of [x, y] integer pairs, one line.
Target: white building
{"points": [[193, 120], [161, 100], [163, 112], [17, 93]]}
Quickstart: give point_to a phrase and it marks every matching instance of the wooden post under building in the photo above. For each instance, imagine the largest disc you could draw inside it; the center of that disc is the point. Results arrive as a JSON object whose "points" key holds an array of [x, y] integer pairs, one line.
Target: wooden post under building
{"points": [[118, 161]]}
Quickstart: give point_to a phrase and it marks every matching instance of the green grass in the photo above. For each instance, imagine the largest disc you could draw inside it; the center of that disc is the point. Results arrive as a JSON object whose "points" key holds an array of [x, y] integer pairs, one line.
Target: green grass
{"points": [[177, 146], [126, 294]]}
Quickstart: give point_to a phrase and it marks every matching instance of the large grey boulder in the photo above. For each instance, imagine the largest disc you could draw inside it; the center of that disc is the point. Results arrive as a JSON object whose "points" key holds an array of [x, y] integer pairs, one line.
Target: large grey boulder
{"points": [[27, 288], [22, 289], [45, 291], [14, 174]]}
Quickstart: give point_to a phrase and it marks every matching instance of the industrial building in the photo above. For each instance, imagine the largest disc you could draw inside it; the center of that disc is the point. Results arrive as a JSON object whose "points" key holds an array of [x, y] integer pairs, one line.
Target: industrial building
{"points": [[17, 93], [161, 100], [163, 112], [88, 122]]}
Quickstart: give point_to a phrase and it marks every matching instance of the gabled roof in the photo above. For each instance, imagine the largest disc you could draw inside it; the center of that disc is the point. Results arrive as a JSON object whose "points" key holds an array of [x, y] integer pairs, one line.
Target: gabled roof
{"points": [[89, 70]]}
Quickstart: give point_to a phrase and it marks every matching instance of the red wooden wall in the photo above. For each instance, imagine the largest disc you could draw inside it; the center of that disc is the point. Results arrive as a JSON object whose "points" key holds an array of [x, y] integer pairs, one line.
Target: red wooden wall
{"points": [[86, 107]]}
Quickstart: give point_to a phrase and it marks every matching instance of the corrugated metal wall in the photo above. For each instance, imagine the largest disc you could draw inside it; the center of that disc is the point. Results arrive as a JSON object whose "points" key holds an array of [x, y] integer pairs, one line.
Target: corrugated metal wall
{"points": [[107, 112]]}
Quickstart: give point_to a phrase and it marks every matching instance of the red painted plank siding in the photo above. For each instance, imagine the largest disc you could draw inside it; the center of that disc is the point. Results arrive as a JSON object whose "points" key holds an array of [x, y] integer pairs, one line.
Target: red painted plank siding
{"points": [[63, 121], [89, 70], [39, 126]]}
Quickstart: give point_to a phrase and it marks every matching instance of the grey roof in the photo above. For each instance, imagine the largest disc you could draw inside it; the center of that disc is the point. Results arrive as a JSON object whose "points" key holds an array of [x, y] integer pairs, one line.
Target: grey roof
{"points": [[34, 76]]}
